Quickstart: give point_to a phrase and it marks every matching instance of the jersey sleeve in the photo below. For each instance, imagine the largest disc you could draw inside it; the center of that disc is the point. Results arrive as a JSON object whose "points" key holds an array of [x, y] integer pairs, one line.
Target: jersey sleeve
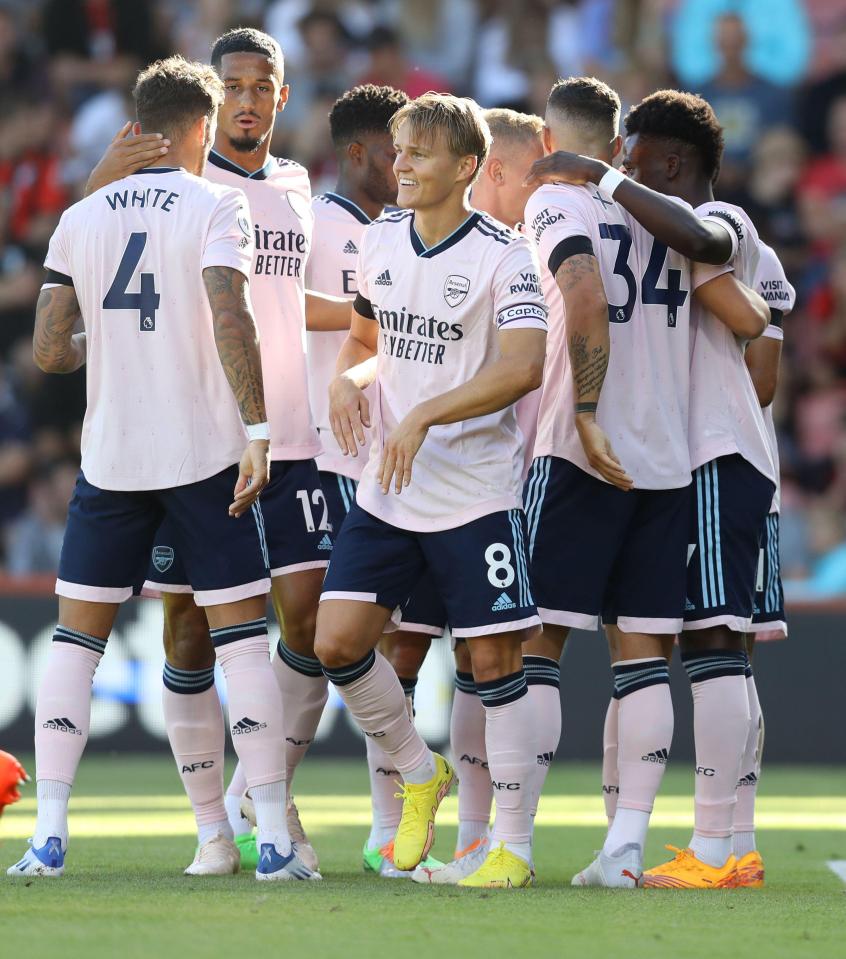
{"points": [[57, 262], [773, 285], [361, 303], [557, 225], [229, 240], [517, 296]]}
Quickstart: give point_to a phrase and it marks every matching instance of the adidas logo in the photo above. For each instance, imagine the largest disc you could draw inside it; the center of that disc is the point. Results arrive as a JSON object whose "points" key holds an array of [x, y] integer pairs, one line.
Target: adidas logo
{"points": [[749, 780], [350, 247], [544, 759], [325, 543], [504, 602], [247, 725], [384, 279], [659, 756], [62, 726]]}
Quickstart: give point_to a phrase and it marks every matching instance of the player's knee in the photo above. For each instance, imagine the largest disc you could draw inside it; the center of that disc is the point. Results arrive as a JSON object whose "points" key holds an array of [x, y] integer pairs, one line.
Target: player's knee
{"points": [[187, 642], [299, 632], [405, 652], [493, 659]]}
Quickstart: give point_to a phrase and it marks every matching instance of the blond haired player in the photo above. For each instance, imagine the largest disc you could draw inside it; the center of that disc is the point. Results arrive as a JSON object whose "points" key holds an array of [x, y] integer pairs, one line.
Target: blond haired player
{"points": [[455, 349], [500, 192]]}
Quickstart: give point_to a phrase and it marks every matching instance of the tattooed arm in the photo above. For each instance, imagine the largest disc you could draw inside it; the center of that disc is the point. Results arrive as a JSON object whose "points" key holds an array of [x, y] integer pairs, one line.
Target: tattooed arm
{"points": [[589, 347], [237, 342], [55, 347]]}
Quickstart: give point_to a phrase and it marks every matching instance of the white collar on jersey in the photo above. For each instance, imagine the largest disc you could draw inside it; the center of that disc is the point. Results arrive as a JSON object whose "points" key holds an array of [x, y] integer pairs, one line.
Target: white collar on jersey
{"points": [[225, 164]]}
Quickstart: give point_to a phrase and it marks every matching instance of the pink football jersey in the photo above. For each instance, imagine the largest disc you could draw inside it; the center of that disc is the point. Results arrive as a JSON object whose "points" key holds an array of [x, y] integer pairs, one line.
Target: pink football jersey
{"points": [[725, 415], [279, 196], [338, 226], [774, 287], [160, 411], [643, 406], [439, 311]]}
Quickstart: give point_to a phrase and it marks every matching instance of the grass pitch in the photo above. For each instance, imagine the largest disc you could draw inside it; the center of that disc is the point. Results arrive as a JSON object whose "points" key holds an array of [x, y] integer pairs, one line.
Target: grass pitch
{"points": [[132, 834]]}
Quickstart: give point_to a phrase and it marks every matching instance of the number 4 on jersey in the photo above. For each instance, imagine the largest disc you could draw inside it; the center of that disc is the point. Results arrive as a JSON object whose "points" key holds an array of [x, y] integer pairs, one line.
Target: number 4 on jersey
{"points": [[146, 301]]}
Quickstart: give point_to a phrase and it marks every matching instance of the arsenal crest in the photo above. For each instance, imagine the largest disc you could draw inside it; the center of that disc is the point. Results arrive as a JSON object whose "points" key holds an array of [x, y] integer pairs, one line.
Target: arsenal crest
{"points": [[163, 558], [456, 288]]}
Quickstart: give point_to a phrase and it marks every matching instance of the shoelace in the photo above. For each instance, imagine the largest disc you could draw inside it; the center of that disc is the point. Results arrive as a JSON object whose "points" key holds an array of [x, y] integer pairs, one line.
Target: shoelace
{"points": [[412, 812]]}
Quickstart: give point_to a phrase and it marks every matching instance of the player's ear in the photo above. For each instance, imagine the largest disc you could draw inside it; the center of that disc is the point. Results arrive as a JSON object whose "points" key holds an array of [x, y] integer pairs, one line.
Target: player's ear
{"points": [[493, 170], [616, 146], [467, 167], [356, 152], [284, 91], [673, 165], [546, 136]]}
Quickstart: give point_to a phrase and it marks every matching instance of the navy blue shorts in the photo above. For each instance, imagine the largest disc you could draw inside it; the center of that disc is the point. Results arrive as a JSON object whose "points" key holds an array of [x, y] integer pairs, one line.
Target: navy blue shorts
{"points": [[109, 536], [340, 495], [729, 508], [424, 611], [599, 551], [479, 571], [768, 619], [296, 528]]}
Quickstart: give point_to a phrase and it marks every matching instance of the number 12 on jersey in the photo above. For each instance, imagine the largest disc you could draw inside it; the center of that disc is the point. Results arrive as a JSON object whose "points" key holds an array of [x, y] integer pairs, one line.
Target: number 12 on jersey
{"points": [[146, 301]]}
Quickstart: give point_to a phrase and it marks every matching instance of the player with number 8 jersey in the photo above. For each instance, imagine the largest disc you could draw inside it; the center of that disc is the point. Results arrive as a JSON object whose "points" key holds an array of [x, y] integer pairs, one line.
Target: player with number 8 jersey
{"points": [[449, 303]]}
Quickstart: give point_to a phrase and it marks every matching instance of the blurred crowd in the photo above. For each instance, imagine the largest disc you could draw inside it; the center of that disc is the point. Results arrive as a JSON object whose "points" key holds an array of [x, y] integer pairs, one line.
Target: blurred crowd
{"points": [[774, 71]]}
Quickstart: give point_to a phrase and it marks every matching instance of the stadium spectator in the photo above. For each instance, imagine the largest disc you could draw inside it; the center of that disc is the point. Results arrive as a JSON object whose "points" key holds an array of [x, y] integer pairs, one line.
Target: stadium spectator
{"points": [[779, 35], [746, 104], [34, 540]]}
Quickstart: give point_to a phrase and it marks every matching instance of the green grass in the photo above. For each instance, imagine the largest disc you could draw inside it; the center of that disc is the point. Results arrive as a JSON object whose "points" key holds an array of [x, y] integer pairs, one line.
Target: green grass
{"points": [[127, 897]]}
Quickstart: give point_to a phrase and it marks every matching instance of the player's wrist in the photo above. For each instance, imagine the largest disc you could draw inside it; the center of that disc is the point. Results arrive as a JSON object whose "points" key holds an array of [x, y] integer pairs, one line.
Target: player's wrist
{"points": [[258, 431], [610, 179]]}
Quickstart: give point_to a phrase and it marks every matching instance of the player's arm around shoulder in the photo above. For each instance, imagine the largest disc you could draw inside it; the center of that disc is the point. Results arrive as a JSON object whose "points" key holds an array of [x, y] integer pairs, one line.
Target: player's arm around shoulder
{"points": [[672, 222]]}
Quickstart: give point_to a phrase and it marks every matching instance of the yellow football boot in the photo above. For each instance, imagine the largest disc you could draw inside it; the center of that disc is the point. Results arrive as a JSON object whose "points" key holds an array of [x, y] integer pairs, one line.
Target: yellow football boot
{"points": [[688, 872], [500, 870], [416, 831], [750, 871]]}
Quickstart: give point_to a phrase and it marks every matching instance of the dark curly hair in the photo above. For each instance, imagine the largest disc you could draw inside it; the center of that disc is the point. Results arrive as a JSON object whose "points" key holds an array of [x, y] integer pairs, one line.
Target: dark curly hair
{"points": [[364, 109], [682, 118], [248, 40]]}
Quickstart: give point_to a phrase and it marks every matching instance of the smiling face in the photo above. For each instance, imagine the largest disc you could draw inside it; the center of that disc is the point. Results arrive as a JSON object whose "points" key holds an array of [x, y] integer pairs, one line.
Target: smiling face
{"points": [[255, 93], [427, 171]]}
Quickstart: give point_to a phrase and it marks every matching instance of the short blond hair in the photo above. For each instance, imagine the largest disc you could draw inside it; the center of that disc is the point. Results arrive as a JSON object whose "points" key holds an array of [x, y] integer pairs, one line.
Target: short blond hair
{"points": [[509, 126], [460, 119]]}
